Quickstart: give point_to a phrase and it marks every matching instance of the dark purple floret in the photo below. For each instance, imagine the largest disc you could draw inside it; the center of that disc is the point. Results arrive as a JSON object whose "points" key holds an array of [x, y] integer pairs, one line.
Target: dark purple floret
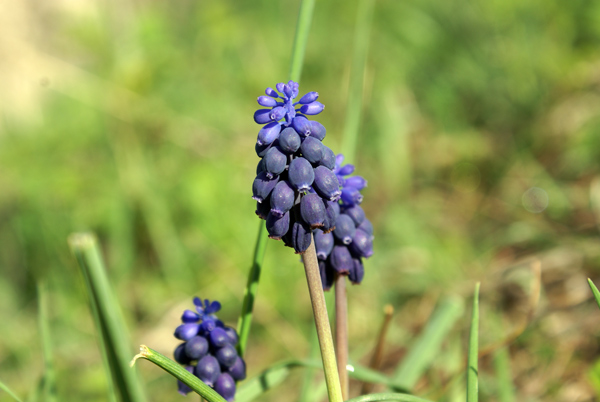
{"points": [[218, 337], [351, 196], [208, 370], [196, 347], [289, 140], [262, 116], [262, 186], [323, 243], [344, 229], [225, 386], [341, 260], [189, 316], [181, 387], [226, 356], [356, 181], [312, 210], [274, 162], [232, 336], [268, 133], [346, 170], [327, 274], [357, 272], [278, 226], [261, 150], [326, 183], [180, 356], [328, 159], [186, 332], [356, 213], [282, 198], [238, 370], [301, 174], [263, 208], [332, 211], [312, 150], [260, 167], [366, 227], [317, 130], [301, 237], [362, 244], [302, 126]]}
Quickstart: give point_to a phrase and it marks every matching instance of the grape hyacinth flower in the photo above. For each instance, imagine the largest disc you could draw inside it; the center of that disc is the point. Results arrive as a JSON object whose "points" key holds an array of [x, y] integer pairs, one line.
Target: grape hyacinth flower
{"points": [[296, 184], [342, 250], [208, 350]]}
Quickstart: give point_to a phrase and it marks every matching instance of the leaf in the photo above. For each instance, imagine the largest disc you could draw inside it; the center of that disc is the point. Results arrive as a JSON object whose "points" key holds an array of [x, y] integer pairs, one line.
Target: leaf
{"points": [[472, 368]]}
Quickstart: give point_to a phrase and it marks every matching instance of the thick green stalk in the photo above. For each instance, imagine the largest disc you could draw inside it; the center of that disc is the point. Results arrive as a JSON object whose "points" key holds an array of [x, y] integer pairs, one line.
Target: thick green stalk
{"points": [[472, 369], [317, 298], [301, 38], [177, 371], [107, 314], [341, 332], [245, 319]]}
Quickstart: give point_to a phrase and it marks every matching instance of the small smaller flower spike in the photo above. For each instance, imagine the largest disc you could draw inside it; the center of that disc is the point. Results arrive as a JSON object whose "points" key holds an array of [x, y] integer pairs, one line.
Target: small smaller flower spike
{"points": [[352, 238], [295, 176], [208, 350]]}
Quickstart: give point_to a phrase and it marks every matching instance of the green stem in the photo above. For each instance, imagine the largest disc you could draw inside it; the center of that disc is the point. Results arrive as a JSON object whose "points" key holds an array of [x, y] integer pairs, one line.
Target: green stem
{"points": [[245, 319], [301, 38], [177, 371], [472, 369], [387, 397], [317, 298], [341, 332]]}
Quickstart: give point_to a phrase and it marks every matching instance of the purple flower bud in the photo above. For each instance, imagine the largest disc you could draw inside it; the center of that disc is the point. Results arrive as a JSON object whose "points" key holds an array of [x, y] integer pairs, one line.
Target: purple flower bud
{"points": [[289, 140], [326, 183], [262, 116], [277, 113], [346, 170], [268, 133], [302, 126], [271, 92], [351, 196], [339, 159], [356, 213], [181, 387], [366, 227], [301, 174], [207, 326], [344, 229], [189, 316], [301, 237], [226, 356], [208, 370], [357, 272], [282, 198], [232, 336], [362, 244], [278, 227], [309, 98], [274, 162], [266, 101], [328, 159], [312, 149], [288, 91], [261, 150], [332, 211], [317, 130], [196, 347], [263, 208], [280, 87], [260, 167], [341, 260], [186, 332], [323, 243], [327, 274], [262, 186], [312, 108], [312, 210], [179, 354], [218, 338], [238, 370], [357, 182], [225, 387]]}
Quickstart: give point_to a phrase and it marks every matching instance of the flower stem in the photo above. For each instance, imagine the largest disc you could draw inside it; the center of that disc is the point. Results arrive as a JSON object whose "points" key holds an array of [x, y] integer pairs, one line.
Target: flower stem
{"points": [[301, 38], [317, 298], [341, 332], [245, 319]]}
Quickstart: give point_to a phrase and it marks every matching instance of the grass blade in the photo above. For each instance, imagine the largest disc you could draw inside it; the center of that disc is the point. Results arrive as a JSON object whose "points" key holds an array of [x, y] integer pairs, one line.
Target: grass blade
{"points": [[427, 346], [472, 369], [387, 397], [5, 388], [302, 30], [46, 390], [245, 319], [506, 389], [108, 317], [269, 378], [177, 371], [594, 291]]}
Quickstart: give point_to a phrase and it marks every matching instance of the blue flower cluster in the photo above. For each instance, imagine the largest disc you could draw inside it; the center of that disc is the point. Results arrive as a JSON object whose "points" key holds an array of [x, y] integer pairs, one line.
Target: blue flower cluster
{"points": [[342, 251], [296, 188], [208, 350]]}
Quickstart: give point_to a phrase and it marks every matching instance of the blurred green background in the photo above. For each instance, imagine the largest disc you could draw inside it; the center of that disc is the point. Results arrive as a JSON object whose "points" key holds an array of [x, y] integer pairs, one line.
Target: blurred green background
{"points": [[480, 139]]}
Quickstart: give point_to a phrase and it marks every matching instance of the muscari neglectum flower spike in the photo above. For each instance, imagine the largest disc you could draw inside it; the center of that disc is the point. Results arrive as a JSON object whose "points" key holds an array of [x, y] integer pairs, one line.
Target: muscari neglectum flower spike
{"points": [[209, 349], [296, 174]]}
